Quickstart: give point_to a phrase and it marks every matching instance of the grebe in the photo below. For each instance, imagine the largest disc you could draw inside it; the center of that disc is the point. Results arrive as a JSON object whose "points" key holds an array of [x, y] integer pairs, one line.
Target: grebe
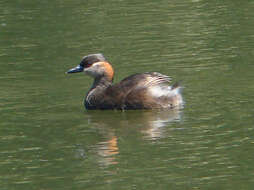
{"points": [[139, 91]]}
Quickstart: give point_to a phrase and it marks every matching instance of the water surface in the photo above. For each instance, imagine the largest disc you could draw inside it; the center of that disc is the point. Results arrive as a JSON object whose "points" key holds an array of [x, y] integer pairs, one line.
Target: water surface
{"points": [[48, 140]]}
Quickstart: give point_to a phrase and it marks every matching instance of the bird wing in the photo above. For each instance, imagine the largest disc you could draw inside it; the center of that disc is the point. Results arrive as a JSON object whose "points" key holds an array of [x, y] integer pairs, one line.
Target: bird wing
{"points": [[144, 80]]}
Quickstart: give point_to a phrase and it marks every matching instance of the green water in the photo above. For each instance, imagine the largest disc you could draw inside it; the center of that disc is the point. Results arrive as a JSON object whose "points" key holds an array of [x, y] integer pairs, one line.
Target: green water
{"points": [[48, 141]]}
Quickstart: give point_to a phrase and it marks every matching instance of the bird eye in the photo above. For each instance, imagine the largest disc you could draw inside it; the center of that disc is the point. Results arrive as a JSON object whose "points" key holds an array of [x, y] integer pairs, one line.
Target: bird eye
{"points": [[87, 64]]}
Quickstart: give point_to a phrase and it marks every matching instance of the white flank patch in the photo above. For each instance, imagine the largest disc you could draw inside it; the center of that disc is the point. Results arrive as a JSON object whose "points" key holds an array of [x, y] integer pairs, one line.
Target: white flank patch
{"points": [[158, 91]]}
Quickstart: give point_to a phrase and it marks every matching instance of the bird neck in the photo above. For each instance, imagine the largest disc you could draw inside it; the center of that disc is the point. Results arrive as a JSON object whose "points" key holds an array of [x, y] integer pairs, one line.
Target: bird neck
{"points": [[95, 94], [101, 81]]}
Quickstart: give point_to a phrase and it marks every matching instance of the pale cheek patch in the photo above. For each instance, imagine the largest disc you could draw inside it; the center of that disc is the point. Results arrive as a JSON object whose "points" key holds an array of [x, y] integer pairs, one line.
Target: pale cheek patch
{"points": [[93, 70], [99, 69], [90, 71]]}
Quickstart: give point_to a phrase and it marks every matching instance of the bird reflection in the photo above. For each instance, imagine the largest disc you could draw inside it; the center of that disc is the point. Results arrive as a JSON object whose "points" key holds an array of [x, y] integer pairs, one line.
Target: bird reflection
{"points": [[107, 150], [157, 122], [112, 125]]}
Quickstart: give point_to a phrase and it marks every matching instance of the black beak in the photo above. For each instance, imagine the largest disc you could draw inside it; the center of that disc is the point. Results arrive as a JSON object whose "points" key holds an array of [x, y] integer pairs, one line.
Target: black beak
{"points": [[77, 69]]}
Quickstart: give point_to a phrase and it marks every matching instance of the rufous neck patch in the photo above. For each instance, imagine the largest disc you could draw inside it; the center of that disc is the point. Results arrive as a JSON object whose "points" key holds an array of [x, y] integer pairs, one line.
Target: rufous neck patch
{"points": [[109, 71]]}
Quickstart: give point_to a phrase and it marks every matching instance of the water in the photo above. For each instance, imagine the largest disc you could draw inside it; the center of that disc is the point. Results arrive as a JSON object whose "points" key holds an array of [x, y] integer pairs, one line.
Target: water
{"points": [[48, 140]]}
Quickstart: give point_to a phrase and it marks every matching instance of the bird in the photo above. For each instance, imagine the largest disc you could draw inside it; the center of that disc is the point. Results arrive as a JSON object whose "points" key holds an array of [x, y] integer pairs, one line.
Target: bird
{"points": [[148, 90]]}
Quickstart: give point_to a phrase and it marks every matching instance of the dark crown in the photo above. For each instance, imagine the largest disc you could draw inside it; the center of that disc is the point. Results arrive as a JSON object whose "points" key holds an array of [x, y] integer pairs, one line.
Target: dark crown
{"points": [[92, 58]]}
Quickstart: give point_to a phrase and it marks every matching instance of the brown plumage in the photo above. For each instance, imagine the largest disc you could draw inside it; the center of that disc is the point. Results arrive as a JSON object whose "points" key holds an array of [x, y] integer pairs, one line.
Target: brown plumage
{"points": [[139, 91]]}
